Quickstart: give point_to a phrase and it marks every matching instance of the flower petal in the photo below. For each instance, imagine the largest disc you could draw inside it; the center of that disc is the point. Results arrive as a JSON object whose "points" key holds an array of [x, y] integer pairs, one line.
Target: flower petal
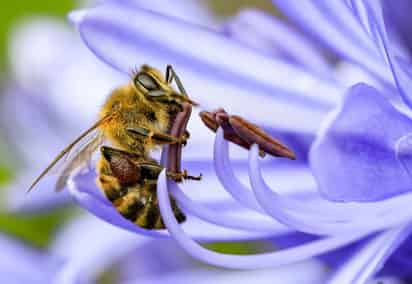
{"points": [[308, 272], [272, 259], [87, 244], [333, 23], [267, 33], [213, 61], [43, 198], [370, 259], [22, 264], [353, 159], [228, 221], [326, 218], [398, 61], [398, 20], [308, 207]]}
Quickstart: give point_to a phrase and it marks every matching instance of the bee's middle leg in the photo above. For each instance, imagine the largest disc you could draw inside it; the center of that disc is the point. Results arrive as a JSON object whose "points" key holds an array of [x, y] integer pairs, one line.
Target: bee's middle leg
{"points": [[183, 175], [150, 172], [157, 137]]}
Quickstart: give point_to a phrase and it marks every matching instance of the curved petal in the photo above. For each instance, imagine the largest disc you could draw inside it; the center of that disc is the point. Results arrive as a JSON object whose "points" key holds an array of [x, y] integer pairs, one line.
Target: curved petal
{"points": [[227, 178], [225, 220], [399, 63], [326, 219], [272, 259], [353, 158], [309, 212], [398, 21], [264, 32], [333, 23], [193, 11], [400, 262], [306, 206], [370, 259]]}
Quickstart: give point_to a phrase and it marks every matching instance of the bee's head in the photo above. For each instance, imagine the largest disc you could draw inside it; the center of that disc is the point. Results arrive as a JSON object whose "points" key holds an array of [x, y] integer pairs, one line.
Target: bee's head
{"points": [[153, 86]]}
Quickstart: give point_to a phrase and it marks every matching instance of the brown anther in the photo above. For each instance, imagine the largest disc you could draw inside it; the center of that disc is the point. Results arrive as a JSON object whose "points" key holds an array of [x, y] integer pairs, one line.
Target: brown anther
{"points": [[209, 120], [218, 111], [254, 134], [220, 118], [244, 133]]}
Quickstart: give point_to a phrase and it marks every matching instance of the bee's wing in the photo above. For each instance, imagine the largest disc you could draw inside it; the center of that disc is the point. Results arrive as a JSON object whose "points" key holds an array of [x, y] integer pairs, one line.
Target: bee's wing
{"points": [[77, 154], [78, 159]]}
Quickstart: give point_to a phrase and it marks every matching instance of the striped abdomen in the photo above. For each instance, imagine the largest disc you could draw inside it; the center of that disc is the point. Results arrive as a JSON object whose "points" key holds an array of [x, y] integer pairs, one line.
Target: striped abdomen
{"points": [[136, 199]]}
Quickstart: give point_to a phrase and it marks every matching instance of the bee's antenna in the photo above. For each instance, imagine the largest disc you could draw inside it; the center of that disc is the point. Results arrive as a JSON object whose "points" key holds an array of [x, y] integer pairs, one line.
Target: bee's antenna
{"points": [[133, 71]]}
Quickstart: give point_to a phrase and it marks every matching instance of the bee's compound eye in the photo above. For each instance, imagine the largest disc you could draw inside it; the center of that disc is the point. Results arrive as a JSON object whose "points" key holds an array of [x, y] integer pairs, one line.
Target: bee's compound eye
{"points": [[146, 81], [157, 93]]}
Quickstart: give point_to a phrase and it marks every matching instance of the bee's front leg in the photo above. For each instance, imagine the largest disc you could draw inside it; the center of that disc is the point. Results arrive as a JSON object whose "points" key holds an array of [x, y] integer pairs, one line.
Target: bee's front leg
{"points": [[157, 137], [170, 75]]}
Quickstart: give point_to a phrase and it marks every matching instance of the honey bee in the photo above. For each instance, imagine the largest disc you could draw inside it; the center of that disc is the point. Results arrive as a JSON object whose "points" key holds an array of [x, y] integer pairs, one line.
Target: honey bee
{"points": [[135, 119]]}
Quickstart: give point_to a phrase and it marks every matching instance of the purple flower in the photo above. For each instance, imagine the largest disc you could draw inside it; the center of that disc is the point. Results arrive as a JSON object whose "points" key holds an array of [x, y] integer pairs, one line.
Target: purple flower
{"points": [[360, 154]]}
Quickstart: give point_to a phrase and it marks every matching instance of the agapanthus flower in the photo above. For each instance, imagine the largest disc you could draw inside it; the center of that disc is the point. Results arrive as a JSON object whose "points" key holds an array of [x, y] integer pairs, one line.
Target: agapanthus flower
{"points": [[360, 155]]}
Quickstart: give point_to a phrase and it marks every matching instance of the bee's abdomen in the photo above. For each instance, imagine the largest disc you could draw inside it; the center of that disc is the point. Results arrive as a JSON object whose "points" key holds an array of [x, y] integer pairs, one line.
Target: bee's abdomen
{"points": [[136, 199], [143, 209]]}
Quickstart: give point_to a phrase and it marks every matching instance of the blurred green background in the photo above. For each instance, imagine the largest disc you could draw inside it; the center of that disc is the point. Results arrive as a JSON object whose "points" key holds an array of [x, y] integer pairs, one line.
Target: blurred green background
{"points": [[38, 229]]}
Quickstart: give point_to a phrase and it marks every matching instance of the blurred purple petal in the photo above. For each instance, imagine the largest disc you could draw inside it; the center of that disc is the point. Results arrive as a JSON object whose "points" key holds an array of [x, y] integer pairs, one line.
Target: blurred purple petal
{"points": [[59, 104], [43, 198], [90, 252], [308, 272], [20, 263], [354, 159], [90, 246]]}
